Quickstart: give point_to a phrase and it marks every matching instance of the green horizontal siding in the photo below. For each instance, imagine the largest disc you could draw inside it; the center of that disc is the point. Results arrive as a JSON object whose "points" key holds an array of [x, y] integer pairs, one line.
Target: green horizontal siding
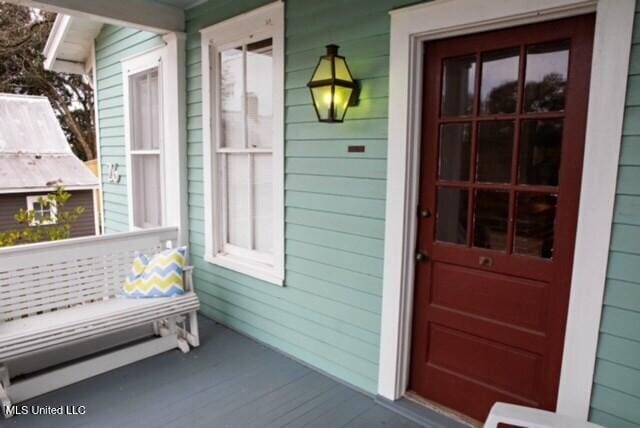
{"points": [[328, 313], [615, 401], [114, 44]]}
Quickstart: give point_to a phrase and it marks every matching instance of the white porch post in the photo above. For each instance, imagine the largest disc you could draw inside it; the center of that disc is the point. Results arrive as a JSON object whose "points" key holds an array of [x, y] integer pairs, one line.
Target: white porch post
{"points": [[175, 130]]}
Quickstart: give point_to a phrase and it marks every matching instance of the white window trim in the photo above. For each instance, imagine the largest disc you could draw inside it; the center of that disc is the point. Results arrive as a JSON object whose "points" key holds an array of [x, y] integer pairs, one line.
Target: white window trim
{"points": [[173, 154], [410, 28], [54, 211], [266, 21]]}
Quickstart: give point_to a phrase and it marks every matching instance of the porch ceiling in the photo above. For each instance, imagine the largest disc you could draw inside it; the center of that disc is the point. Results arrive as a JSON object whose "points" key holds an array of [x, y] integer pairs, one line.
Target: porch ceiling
{"points": [[157, 16], [182, 4], [68, 47]]}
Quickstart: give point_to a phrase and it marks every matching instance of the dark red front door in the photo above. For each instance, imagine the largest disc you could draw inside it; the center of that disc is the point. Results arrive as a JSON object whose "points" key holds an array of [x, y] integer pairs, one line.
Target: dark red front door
{"points": [[504, 118]]}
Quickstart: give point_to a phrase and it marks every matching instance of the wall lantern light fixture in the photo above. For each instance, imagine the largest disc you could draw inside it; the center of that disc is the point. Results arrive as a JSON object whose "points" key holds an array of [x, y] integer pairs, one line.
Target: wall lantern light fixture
{"points": [[332, 87]]}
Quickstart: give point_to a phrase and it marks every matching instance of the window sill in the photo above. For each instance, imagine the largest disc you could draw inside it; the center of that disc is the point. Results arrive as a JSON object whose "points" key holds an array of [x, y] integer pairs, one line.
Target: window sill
{"points": [[43, 223], [247, 267]]}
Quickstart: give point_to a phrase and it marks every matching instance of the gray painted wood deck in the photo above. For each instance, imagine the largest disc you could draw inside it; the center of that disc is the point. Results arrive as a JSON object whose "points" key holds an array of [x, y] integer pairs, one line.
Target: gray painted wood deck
{"points": [[229, 381]]}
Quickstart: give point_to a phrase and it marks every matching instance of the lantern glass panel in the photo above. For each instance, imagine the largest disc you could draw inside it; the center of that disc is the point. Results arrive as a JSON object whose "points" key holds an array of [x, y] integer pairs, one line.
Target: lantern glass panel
{"points": [[342, 71], [341, 100], [323, 71], [322, 101]]}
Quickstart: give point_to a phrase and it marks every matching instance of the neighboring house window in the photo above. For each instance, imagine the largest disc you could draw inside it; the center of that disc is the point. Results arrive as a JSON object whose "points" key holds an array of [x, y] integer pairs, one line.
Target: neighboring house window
{"points": [[45, 211], [243, 121]]}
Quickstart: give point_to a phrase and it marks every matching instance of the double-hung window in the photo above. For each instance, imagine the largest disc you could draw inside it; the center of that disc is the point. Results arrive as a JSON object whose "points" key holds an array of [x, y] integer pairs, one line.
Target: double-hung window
{"points": [[145, 147], [243, 78], [155, 135]]}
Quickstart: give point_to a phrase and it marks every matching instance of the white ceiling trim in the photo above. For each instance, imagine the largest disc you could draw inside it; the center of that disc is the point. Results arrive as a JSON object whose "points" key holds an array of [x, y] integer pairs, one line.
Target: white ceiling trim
{"points": [[56, 36]]}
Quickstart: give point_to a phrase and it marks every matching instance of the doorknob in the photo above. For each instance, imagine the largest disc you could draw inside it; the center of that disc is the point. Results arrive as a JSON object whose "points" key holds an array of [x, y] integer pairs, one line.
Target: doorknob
{"points": [[424, 213], [422, 256]]}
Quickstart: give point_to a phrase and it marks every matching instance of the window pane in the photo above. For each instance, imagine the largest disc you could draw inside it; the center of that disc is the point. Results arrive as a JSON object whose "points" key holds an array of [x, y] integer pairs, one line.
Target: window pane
{"points": [[146, 191], [145, 110], [259, 93], [491, 218], [451, 220], [154, 110], [499, 85], [535, 217], [546, 77], [540, 148], [458, 87], [263, 202], [455, 149], [39, 211], [495, 149], [231, 98], [139, 113], [238, 232]]}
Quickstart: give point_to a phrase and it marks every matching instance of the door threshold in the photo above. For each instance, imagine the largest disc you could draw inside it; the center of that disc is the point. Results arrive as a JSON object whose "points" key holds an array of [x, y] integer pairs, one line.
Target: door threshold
{"points": [[444, 410], [427, 414]]}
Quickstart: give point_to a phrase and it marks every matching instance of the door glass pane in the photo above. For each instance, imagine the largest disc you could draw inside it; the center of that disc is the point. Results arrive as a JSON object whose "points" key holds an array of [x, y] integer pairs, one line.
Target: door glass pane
{"points": [[231, 98], [491, 219], [147, 191], [458, 86], [499, 86], [546, 77], [451, 220], [238, 200], [495, 149], [455, 149], [262, 202], [540, 148], [534, 225], [259, 93], [145, 110]]}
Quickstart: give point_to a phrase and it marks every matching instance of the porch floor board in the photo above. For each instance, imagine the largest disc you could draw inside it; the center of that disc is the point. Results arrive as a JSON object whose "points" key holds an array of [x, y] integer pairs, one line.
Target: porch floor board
{"points": [[229, 381]]}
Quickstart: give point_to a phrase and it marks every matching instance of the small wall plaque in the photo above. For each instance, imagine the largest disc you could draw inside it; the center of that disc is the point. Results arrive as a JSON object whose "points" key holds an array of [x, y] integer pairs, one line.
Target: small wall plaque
{"points": [[355, 149]]}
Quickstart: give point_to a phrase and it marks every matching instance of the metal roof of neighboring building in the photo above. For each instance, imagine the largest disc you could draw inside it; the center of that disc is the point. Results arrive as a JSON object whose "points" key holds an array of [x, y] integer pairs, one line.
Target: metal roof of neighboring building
{"points": [[34, 153]]}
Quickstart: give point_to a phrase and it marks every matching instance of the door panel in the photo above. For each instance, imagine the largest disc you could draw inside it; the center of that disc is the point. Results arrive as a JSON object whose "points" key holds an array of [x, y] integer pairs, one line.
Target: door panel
{"points": [[504, 119], [517, 376], [516, 301]]}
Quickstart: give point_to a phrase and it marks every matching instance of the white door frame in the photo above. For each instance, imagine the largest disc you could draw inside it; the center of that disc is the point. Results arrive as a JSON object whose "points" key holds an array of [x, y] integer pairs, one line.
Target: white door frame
{"points": [[410, 28]]}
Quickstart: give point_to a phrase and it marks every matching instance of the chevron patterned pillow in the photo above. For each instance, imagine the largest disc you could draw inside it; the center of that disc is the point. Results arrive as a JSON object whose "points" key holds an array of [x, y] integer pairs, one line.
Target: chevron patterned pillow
{"points": [[160, 276]]}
